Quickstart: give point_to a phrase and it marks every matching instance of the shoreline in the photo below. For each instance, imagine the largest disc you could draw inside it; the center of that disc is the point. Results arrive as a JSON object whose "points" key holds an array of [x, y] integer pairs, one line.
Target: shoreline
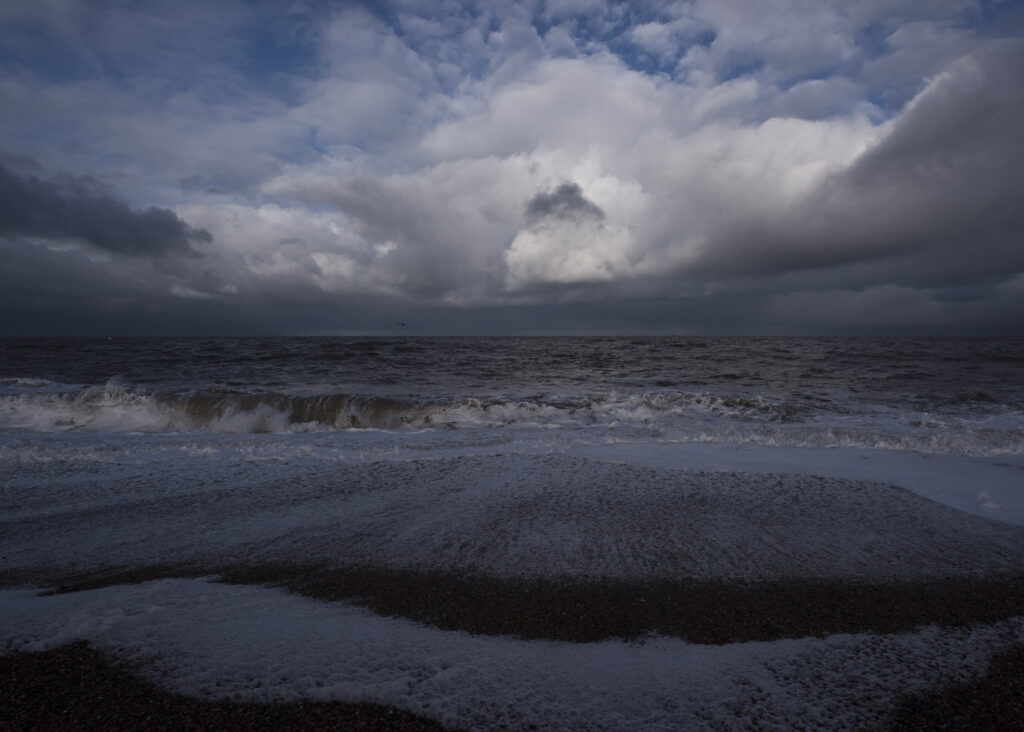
{"points": [[583, 611]]}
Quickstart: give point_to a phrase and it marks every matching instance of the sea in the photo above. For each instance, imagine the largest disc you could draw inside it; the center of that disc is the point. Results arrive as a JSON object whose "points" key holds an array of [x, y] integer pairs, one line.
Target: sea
{"points": [[583, 459], [962, 396]]}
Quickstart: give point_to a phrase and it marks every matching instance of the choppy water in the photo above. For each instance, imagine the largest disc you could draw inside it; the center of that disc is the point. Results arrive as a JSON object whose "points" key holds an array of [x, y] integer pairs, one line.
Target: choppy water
{"points": [[943, 395]]}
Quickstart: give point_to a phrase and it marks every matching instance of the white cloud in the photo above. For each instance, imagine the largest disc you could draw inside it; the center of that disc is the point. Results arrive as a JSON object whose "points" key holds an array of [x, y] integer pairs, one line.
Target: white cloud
{"points": [[400, 161], [558, 41], [684, 196], [655, 37], [568, 253]]}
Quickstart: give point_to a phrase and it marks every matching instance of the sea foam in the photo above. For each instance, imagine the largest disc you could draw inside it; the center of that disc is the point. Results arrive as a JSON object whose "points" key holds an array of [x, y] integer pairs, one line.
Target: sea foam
{"points": [[679, 416]]}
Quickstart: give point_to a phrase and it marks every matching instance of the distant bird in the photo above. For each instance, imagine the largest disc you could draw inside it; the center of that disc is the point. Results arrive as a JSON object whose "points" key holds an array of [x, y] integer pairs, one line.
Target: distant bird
{"points": [[402, 324]]}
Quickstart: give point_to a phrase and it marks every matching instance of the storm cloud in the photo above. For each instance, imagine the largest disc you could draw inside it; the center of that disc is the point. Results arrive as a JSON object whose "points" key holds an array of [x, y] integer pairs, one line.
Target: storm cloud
{"points": [[943, 181], [566, 202], [79, 208], [522, 167]]}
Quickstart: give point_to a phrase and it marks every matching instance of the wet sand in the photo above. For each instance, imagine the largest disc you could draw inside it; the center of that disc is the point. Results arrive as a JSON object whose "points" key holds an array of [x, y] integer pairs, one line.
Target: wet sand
{"points": [[75, 687], [580, 610]]}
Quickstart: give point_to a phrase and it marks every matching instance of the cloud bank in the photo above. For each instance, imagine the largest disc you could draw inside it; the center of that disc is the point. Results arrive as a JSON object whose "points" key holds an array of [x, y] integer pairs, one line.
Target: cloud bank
{"points": [[80, 209], [560, 166]]}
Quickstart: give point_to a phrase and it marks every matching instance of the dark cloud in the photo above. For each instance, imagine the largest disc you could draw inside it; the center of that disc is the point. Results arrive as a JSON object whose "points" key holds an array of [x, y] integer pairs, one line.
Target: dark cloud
{"points": [[953, 166], [566, 202], [79, 208], [935, 202]]}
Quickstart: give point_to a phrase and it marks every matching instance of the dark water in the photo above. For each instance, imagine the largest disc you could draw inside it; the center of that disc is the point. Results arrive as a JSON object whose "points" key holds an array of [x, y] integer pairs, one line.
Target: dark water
{"points": [[906, 388], [983, 369]]}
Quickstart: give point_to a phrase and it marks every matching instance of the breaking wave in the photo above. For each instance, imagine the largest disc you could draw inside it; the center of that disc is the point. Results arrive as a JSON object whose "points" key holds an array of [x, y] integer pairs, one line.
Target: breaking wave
{"points": [[797, 421], [118, 408], [41, 406]]}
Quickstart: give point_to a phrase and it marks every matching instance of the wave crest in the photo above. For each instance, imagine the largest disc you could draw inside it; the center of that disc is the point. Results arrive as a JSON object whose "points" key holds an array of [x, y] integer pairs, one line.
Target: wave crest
{"points": [[117, 408], [796, 421]]}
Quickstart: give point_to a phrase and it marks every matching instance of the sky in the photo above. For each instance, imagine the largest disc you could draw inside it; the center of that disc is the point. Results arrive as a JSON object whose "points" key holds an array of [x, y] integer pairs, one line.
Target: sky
{"points": [[544, 167]]}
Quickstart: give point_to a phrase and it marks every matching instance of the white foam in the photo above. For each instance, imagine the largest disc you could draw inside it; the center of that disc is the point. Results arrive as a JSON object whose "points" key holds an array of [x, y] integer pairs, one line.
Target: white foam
{"points": [[619, 510], [992, 487], [220, 641], [676, 416], [111, 408]]}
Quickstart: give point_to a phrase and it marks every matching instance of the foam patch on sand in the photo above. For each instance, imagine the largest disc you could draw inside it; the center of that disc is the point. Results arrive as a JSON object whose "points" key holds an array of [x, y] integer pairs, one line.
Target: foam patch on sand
{"points": [[990, 487], [455, 500], [511, 514], [221, 641]]}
